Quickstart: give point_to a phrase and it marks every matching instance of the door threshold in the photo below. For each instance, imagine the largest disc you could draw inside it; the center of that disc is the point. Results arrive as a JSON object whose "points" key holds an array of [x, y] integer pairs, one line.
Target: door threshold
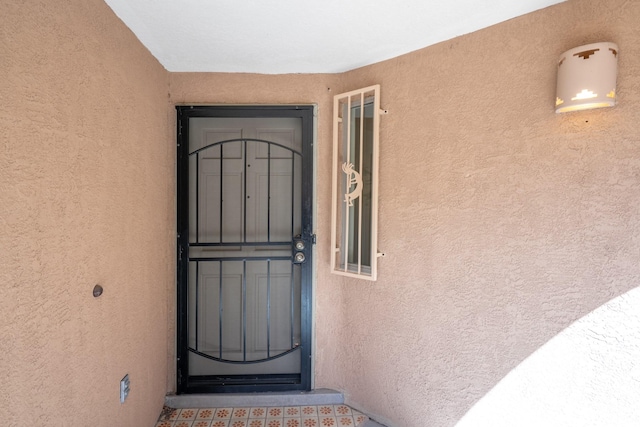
{"points": [[322, 396]]}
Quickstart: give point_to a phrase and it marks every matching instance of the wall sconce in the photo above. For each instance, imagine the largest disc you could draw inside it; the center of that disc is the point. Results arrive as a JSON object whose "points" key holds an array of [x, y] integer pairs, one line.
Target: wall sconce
{"points": [[587, 77]]}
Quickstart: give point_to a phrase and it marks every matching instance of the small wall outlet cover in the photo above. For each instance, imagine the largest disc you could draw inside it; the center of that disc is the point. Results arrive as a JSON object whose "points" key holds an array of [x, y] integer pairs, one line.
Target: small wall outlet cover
{"points": [[124, 388]]}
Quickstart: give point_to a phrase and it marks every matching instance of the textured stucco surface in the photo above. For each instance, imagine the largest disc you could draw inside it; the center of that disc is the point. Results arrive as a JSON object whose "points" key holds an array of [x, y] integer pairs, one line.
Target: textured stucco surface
{"points": [[86, 197], [587, 375], [502, 222]]}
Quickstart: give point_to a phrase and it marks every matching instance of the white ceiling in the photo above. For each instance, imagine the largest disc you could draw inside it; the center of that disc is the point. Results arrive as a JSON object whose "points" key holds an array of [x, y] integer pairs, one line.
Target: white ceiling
{"points": [[302, 36]]}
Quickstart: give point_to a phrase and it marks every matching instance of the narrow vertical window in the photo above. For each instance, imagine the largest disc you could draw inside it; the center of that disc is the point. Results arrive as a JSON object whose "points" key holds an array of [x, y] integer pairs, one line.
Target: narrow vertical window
{"points": [[356, 118]]}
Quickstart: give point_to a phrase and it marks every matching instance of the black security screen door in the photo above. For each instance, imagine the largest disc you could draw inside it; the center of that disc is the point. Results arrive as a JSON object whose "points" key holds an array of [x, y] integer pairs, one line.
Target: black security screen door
{"points": [[244, 248]]}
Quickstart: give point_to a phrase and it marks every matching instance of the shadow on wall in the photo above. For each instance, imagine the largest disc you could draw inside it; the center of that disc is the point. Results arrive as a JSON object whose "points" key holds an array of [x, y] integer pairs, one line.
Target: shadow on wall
{"points": [[587, 375]]}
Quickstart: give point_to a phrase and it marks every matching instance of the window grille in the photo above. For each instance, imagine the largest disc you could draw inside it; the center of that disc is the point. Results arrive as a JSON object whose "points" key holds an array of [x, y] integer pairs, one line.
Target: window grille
{"points": [[354, 220]]}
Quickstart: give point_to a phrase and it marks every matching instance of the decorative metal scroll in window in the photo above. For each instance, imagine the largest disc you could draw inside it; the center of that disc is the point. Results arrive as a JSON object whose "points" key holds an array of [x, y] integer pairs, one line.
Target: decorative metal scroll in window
{"points": [[354, 221]]}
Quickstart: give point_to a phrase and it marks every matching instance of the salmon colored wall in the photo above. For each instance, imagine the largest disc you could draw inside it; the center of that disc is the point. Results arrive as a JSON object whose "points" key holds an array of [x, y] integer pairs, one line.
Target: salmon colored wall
{"points": [[501, 221], [86, 197]]}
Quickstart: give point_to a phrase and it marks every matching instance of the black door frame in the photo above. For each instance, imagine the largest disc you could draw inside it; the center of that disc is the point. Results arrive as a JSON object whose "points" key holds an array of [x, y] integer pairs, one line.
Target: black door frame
{"points": [[186, 383]]}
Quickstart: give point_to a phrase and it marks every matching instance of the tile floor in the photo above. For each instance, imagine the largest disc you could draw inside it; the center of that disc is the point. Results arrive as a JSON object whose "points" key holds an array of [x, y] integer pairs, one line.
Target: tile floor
{"points": [[276, 416]]}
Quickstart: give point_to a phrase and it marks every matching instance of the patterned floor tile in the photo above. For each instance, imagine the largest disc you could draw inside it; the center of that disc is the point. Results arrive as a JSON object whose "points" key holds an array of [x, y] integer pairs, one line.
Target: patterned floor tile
{"points": [[309, 411], [345, 421], [325, 411], [169, 414], [342, 410], [328, 422], [310, 422], [240, 413], [289, 416], [258, 413], [292, 411], [187, 414], [359, 418], [205, 414], [275, 412], [292, 422], [223, 414]]}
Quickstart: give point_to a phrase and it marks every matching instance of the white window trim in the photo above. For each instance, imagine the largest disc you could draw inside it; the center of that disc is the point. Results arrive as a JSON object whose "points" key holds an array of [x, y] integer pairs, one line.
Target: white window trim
{"points": [[340, 202]]}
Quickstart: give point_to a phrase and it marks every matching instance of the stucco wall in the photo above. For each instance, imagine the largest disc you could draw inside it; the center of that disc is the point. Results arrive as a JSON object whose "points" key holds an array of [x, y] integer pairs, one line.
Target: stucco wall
{"points": [[86, 197], [501, 221]]}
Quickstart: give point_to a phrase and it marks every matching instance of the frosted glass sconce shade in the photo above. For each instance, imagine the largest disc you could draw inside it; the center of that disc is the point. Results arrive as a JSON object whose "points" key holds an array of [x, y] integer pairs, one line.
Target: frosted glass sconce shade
{"points": [[587, 77]]}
